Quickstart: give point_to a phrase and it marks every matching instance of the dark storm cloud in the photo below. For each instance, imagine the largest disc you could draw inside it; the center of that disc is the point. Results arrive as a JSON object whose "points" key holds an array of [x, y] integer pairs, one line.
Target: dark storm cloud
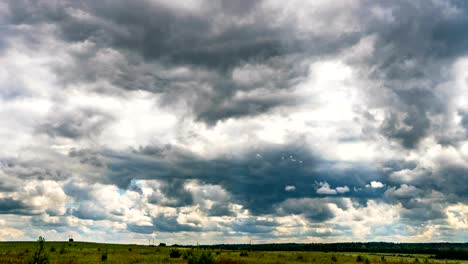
{"points": [[452, 179], [253, 226], [447, 179], [158, 32], [173, 194], [419, 203], [12, 206], [411, 58], [164, 223], [87, 156], [415, 124], [313, 209], [19, 170], [413, 44], [256, 181], [244, 107], [138, 39], [89, 210], [220, 209], [424, 213], [141, 229]]}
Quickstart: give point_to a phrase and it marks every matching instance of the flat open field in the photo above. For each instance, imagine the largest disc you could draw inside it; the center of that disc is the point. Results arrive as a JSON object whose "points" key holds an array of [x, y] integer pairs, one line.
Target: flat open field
{"points": [[80, 252]]}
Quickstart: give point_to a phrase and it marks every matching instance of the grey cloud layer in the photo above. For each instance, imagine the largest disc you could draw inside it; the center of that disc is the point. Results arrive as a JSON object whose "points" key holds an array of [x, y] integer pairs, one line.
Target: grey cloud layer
{"points": [[212, 63]]}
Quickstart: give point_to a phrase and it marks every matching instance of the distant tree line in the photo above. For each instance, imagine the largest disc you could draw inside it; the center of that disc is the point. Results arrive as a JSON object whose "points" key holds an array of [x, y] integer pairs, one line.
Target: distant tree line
{"points": [[438, 250]]}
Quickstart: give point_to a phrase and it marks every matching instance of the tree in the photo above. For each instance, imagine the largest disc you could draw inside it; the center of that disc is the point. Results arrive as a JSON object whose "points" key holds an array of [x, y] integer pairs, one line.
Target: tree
{"points": [[40, 255]]}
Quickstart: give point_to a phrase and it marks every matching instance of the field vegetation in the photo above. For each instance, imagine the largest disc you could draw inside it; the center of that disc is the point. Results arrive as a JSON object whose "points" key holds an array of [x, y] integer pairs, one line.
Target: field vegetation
{"points": [[82, 252]]}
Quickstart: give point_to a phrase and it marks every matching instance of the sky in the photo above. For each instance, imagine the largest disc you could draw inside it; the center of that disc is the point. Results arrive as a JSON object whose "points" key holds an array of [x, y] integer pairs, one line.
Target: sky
{"points": [[221, 121]]}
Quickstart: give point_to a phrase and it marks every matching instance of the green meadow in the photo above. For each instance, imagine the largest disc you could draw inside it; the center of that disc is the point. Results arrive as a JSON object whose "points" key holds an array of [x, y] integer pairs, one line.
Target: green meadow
{"points": [[82, 252]]}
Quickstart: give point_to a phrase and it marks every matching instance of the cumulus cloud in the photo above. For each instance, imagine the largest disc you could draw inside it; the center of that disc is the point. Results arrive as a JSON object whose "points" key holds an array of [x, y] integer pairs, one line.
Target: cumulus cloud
{"points": [[376, 184], [344, 189], [404, 191], [326, 189]]}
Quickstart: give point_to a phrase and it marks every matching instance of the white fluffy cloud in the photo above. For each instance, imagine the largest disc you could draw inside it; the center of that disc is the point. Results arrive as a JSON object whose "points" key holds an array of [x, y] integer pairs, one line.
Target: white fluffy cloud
{"points": [[326, 189]]}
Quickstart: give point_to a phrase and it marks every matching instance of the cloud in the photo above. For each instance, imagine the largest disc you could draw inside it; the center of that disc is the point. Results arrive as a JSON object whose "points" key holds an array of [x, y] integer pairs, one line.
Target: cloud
{"points": [[267, 119], [344, 189], [404, 191], [313, 209], [376, 184], [9, 205], [76, 124], [325, 189]]}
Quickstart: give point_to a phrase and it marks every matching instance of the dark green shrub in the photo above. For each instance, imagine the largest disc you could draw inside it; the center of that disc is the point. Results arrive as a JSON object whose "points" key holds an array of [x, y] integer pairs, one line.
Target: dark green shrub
{"points": [[52, 249], [175, 253], [359, 259], [187, 254], [333, 258], [244, 254], [62, 251], [201, 258], [104, 256], [39, 256]]}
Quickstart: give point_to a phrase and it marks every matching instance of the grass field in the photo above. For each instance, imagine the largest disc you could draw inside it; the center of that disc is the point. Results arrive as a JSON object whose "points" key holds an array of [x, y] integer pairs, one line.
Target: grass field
{"points": [[80, 252]]}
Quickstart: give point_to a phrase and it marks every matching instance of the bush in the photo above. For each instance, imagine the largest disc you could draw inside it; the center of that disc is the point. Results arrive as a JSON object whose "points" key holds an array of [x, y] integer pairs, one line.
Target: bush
{"points": [[359, 259], [333, 258], [175, 253], [243, 254], [104, 256], [52, 249], [39, 256], [62, 251], [201, 258], [452, 254], [187, 254]]}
